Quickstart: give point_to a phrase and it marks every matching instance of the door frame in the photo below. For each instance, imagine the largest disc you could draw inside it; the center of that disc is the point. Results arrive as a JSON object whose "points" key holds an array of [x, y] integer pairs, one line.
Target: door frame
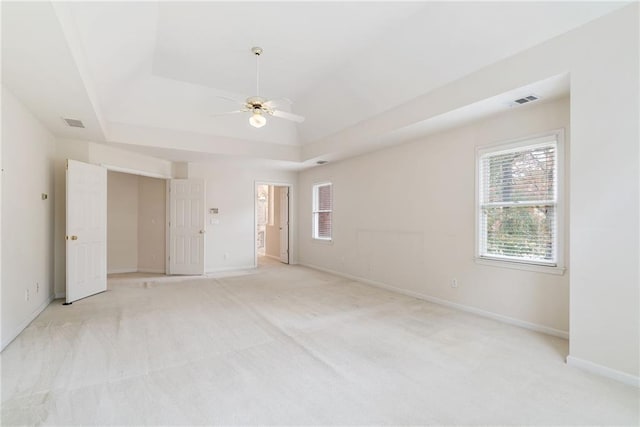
{"points": [[255, 218]]}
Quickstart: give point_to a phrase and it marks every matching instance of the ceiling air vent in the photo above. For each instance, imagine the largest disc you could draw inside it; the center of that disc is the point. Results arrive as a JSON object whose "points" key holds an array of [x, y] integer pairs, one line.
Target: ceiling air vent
{"points": [[74, 123], [526, 99]]}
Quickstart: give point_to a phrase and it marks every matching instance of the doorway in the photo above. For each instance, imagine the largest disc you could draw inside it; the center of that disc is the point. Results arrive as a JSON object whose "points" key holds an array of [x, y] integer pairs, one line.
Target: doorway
{"points": [[121, 221], [272, 223], [136, 223]]}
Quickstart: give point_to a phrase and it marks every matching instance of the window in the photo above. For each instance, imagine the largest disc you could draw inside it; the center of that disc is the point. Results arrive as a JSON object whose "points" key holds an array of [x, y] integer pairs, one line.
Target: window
{"points": [[322, 211], [519, 214]]}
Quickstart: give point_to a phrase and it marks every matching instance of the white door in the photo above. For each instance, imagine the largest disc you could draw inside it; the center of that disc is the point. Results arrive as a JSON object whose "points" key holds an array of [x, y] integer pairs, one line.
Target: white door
{"points": [[284, 224], [186, 226], [86, 234]]}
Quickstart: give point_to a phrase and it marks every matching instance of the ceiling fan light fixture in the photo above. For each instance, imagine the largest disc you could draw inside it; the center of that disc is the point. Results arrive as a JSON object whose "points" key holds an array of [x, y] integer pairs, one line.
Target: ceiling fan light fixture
{"points": [[257, 120]]}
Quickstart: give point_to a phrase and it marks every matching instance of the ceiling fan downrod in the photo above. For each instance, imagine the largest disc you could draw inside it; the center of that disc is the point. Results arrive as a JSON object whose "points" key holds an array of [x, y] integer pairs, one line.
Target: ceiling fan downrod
{"points": [[257, 51]]}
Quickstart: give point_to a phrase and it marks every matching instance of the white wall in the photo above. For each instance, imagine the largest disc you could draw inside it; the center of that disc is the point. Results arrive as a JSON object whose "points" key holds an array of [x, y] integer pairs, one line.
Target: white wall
{"points": [[405, 217], [602, 59], [230, 187], [605, 201], [122, 222], [27, 220], [152, 209], [128, 161]]}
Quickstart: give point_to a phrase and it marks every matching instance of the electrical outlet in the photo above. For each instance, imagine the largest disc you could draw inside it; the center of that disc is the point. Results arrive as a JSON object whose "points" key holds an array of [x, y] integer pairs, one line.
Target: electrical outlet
{"points": [[26, 295], [454, 283], [37, 287]]}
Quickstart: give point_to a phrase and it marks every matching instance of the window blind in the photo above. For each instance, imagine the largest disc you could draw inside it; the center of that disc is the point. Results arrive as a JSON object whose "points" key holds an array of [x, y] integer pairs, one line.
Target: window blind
{"points": [[322, 211], [518, 204]]}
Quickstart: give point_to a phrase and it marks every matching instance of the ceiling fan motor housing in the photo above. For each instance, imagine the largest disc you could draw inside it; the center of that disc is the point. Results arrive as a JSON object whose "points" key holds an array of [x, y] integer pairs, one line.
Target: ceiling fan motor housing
{"points": [[256, 101]]}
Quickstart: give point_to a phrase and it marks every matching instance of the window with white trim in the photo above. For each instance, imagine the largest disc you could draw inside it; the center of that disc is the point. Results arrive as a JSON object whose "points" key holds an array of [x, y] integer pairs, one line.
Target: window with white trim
{"points": [[322, 211], [518, 201]]}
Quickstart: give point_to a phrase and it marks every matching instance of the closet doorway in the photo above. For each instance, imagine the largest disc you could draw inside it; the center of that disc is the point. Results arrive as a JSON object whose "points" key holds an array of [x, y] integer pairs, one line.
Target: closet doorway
{"points": [[136, 223]]}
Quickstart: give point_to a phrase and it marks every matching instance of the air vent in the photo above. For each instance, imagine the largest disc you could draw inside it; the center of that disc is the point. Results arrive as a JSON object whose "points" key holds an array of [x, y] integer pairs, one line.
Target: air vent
{"points": [[526, 99], [74, 123]]}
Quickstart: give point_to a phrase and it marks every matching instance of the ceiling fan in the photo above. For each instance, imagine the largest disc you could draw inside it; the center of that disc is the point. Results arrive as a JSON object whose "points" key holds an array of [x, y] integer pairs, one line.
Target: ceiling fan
{"points": [[259, 106]]}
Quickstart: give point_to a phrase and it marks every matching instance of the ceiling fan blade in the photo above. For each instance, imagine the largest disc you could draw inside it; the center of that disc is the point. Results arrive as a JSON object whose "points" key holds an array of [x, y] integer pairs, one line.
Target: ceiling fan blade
{"points": [[228, 98], [228, 112], [288, 116], [274, 103]]}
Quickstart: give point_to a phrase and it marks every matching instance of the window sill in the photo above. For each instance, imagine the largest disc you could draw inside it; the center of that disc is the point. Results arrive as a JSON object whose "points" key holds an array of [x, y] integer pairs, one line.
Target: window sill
{"points": [[521, 266], [322, 241]]}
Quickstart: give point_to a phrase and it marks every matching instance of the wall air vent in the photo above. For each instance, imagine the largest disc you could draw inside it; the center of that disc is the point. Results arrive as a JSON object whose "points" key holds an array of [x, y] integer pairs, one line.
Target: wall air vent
{"points": [[74, 123], [526, 99]]}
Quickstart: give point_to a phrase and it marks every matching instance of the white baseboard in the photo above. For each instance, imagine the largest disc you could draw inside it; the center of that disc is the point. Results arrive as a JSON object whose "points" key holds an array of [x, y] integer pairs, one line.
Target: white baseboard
{"points": [[151, 270], [122, 270], [7, 340], [597, 369], [499, 317]]}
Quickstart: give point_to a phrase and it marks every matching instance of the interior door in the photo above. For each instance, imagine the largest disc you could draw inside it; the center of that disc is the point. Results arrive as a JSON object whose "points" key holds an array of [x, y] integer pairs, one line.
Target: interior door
{"points": [[284, 224], [186, 226], [86, 230]]}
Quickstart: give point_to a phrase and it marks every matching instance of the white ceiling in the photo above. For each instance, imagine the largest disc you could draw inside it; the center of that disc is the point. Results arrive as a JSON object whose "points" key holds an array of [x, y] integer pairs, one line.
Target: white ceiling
{"points": [[145, 75]]}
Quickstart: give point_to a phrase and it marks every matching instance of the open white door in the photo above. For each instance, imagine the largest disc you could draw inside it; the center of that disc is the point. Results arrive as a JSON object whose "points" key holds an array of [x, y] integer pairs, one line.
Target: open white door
{"points": [[86, 235], [186, 226], [284, 224]]}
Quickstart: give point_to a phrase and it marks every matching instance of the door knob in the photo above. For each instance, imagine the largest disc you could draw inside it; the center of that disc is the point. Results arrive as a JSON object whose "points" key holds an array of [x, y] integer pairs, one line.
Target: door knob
{"points": [[72, 237], [201, 231]]}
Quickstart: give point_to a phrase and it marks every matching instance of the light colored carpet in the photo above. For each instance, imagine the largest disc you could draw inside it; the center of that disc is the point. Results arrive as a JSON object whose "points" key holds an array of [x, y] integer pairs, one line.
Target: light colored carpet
{"points": [[290, 345]]}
